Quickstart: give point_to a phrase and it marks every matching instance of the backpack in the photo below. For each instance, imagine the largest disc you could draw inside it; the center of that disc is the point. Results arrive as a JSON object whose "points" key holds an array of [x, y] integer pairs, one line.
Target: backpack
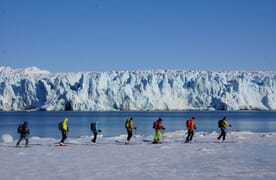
{"points": [[127, 123], [22, 129], [154, 124], [19, 128], [93, 126], [60, 126], [220, 123]]}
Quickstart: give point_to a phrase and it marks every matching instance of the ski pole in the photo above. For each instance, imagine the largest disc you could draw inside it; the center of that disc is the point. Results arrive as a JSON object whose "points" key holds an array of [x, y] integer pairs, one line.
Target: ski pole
{"points": [[99, 135], [230, 129], [163, 135], [194, 136], [134, 136], [100, 131]]}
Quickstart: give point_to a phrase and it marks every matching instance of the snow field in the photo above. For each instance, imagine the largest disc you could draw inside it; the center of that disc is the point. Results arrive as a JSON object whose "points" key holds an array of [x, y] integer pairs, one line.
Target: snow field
{"points": [[250, 156]]}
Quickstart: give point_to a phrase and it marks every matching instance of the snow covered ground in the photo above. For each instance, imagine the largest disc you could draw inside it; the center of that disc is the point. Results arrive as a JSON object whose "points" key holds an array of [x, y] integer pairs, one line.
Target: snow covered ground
{"points": [[245, 155]]}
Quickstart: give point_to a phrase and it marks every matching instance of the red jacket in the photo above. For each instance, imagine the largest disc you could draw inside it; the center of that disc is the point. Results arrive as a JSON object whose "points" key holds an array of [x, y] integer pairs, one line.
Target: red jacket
{"points": [[158, 125]]}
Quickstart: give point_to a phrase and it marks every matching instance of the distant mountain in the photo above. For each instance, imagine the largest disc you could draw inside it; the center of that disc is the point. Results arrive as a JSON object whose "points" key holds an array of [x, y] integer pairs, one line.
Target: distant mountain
{"points": [[35, 89]]}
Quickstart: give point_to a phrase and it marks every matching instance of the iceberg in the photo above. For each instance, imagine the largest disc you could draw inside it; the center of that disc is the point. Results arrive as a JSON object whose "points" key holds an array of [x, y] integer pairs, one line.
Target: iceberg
{"points": [[148, 90]]}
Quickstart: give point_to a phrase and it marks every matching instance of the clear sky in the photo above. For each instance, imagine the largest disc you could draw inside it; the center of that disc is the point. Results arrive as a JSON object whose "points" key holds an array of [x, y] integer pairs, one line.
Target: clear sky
{"points": [[104, 35]]}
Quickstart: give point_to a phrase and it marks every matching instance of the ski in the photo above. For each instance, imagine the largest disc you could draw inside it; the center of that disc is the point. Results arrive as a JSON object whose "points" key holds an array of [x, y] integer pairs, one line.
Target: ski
{"points": [[61, 145], [23, 146], [118, 142]]}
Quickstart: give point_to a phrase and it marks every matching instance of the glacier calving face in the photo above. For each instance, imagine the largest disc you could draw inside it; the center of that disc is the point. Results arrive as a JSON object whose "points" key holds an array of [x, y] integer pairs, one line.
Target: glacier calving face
{"points": [[34, 89]]}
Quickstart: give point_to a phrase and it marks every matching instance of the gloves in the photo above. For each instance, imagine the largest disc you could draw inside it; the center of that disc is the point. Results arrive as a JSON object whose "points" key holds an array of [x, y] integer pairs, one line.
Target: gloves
{"points": [[230, 125], [163, 128], [99, 131], [134, 127], [195, 127]]}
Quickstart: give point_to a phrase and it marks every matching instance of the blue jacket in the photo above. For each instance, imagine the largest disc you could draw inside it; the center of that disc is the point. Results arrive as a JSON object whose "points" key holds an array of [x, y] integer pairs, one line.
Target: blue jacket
{"points": [[96, 127]]}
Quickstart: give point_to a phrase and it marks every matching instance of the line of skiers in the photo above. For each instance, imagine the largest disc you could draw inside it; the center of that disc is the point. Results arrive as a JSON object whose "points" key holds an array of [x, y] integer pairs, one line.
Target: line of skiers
{"points": [[222, 124], [24, 131], [190, 125]]}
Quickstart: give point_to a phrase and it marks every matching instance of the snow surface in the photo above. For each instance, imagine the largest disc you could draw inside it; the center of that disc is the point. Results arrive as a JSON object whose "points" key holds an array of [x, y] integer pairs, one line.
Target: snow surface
{"points": [[245, 155], [35, 89]]}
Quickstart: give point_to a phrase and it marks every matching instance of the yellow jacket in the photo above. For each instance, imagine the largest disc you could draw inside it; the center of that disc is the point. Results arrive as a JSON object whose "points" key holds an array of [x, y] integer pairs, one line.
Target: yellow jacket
{"points": [[130, 125], [65, 124], [225, 123]]}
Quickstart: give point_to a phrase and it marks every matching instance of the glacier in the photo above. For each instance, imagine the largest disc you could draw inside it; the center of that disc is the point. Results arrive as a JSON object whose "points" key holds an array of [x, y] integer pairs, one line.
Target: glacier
{"points": [[33, 89]]}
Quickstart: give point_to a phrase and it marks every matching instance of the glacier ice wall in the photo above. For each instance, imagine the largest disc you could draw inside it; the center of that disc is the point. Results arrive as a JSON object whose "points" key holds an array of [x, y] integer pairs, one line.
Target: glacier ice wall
{"points": [[35, 89]]}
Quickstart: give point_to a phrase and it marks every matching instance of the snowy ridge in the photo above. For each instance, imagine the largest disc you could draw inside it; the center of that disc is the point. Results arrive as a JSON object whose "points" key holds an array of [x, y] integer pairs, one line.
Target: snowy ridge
{"points": [[35, 89], [7, 71]]}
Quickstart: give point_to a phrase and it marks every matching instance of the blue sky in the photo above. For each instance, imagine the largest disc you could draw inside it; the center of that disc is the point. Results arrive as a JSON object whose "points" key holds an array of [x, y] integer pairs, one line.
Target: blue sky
{"points": [[104, 35]]}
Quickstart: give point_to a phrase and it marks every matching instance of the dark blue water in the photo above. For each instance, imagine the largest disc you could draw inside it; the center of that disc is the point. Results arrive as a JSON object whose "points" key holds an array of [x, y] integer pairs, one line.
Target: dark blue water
{"points": [[45, 124]]}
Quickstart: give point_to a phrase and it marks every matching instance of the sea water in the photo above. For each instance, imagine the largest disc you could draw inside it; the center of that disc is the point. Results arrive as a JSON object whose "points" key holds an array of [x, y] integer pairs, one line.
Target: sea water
{"points": [[45, 124]]}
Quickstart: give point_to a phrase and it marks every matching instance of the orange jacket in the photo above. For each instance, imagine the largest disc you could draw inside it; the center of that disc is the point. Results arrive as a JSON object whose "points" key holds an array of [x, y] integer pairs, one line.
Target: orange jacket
{"points": [[190, 124]]}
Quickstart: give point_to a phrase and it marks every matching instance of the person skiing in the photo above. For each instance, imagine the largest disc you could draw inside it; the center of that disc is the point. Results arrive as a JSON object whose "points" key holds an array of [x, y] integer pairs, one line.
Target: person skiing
{"points": [[64, 130], [190, 124], [94, 126], [24, 131], [222, 125], [157, 125], [129, 125]]}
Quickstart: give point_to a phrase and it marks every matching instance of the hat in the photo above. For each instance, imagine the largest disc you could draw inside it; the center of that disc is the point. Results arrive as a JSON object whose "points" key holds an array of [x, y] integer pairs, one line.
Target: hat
{"points": [[160, 119]]}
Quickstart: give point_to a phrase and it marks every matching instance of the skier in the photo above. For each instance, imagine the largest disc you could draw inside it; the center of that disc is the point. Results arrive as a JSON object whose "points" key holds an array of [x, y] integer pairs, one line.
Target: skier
{"points": [[64, 130], [24, 131], [129, 127], [157, 125], [190, 124], [94, 126], [222, 124]]}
